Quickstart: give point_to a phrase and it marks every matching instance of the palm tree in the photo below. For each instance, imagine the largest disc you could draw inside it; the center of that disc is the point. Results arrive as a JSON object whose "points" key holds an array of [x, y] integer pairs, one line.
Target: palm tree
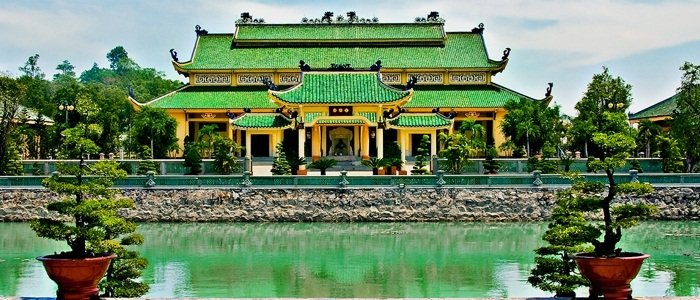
{"points": [[648, 131], [476, 133], [526, 128]]}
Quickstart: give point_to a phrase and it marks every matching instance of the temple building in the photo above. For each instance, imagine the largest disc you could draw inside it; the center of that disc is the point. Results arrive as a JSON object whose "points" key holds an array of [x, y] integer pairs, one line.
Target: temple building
{"points": [[342, 87], [660, 113]]}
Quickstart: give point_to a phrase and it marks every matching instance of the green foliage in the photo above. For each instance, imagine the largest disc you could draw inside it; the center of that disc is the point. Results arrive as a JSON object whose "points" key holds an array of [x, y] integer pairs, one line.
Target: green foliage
{"points": [[147, 165], [207, 135], [193, 159], [323, 164], [635, 165], [490, 165], [37, 169], [601, 110], [531, 124], [11, 93], [98, 227], [280, 165], [375, 163], [601, 107], [566, 160], [224, 159], [547, 166], [646, 137], [458, 149], [555, 270], [670, 154], [685, 126], [392, 150], [422, 156], [153, 126], [295, 162]]}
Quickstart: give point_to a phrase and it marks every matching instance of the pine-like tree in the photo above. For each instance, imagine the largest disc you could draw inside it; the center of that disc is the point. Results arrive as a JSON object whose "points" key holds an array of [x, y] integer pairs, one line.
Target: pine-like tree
{"points": [[193, 159], [422, 156], [280, 165]]}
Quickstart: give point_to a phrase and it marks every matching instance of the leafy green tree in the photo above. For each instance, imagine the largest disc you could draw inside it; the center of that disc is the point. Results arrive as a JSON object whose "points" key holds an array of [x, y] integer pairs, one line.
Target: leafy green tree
{"points": [[555, 270], [11, 94], [119, 59], [422, 156], [280, 166], [65, 69], [670, 154], [685, 126], [490, 164], [224, 160], [530, 124], [458, 149], [605, 94], [206, 139], [31, 68], [646, 134], [193, 158], [154, 127]]}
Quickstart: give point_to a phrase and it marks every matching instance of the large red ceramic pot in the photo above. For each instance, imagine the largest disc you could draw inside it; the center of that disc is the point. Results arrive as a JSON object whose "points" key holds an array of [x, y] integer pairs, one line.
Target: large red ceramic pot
{"points": [[610, 276], [76, 278]]}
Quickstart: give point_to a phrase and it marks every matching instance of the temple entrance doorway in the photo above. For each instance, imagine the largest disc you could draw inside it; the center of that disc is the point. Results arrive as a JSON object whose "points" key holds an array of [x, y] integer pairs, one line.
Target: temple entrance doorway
{"points": [[261, 145]]}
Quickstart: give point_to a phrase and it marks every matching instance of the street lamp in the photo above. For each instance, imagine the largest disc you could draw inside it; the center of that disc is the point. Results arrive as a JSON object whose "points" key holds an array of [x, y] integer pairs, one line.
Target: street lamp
{"points": [[66, 107]]}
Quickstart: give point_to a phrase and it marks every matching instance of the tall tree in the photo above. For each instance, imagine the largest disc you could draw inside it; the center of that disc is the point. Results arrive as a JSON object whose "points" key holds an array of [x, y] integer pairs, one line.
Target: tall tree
{"points": [[65, 69], [531, 124], [646, 135], [154, 126], [605, 94], [31, 68], [685, 126], [11, 93], [119, 59]]}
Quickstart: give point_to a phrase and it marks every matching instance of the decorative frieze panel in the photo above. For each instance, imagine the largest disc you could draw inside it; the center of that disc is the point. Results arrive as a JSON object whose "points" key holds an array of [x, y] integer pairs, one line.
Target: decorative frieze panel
{"points": [[391, 78], [467, 78], [252, 78], [289, 78], [212, 79], [428, 78]]}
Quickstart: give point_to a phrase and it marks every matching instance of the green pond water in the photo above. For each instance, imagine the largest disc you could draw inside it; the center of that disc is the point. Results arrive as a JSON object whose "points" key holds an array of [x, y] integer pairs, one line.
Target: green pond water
{"points": [[354, 259]]}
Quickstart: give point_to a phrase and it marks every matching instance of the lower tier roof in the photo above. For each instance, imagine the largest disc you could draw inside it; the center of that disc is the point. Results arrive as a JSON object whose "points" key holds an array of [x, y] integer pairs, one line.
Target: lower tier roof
{"points": [[229, 97]]}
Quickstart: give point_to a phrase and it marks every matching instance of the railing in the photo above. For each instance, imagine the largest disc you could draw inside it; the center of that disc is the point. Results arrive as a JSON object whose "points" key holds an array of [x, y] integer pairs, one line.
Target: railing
{"points": [[439, 180], [131, 166]]}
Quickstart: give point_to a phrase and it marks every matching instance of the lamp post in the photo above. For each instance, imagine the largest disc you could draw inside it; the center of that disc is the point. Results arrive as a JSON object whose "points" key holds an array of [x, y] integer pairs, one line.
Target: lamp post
{"points": [[64, 106]]}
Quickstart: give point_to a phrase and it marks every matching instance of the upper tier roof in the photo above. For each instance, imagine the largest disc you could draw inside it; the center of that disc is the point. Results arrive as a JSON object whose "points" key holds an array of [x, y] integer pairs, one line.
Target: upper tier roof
{"points": [[662, 109], [461, 50], [338, 34], [340, 88]]}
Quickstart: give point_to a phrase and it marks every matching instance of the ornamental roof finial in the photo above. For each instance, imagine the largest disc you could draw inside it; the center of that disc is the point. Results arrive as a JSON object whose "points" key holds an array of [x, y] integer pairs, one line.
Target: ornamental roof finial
{"points": [[479, 29]]}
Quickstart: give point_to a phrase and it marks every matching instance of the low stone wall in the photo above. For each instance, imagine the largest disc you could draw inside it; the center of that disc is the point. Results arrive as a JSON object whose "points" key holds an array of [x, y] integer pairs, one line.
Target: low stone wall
{"points": [[343, 205]]}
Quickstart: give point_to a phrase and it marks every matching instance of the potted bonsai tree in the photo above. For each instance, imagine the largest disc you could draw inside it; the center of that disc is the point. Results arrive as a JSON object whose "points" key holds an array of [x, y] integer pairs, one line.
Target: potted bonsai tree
{"points": [[491, 166], [92, 207], [608, 269]]}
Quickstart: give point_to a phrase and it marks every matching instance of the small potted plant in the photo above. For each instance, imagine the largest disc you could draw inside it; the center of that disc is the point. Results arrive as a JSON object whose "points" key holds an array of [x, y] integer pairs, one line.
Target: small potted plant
{"points": [[396, 164], [491, 166], [375, 164], [92, 207], [323, 164]]}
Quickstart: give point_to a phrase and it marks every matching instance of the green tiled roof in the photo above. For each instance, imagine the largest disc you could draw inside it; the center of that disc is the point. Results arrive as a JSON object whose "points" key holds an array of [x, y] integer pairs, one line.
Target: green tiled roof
{"points": [[371, 116], [419, 120], [461, 50], [215, 97], [262, 121], [488, 96], [661, 109], [339, 31], [341, 121], [309, 117], [340, 88]]}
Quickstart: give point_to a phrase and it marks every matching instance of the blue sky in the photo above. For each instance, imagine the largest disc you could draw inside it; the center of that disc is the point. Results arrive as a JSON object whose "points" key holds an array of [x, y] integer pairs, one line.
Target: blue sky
{"points": [[565, 42]]}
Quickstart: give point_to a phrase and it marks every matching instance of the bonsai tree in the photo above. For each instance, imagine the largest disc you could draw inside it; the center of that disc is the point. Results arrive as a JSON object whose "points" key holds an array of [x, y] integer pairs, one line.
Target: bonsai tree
{"points": [[146, 164], [490, 165], [97, 230], [280, 165], [635, 165], [323, 164], [555, 269], [375, 164], [613, 143], [422, 157]]}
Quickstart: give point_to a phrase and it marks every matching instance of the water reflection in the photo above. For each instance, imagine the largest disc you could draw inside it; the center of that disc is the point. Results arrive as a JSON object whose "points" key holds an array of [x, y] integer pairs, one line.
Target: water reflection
{"points": [[356, 260]]}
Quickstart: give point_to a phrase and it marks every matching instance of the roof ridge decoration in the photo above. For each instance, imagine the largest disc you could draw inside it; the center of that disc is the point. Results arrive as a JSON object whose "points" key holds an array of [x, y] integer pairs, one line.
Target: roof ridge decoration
{"points": [[433, 17], [247, 18], [352, 18]]}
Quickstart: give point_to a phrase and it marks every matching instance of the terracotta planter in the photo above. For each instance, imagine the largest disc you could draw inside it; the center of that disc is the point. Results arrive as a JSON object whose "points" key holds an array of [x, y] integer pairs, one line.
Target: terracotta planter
{"points": [[403, 172], [610, 277], [76, 278], [302, 172], [392, 170], [381, 171]]}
